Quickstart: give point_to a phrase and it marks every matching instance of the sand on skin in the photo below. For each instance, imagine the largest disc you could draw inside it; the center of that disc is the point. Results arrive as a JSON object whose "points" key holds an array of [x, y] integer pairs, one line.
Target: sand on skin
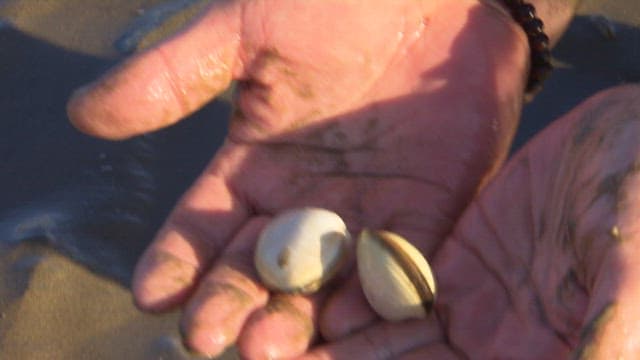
{"points": [[54, 308]]}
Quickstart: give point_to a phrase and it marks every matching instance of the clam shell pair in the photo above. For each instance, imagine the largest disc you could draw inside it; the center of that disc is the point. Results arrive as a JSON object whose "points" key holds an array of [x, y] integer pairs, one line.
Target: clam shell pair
{"points": [[302, 249]]}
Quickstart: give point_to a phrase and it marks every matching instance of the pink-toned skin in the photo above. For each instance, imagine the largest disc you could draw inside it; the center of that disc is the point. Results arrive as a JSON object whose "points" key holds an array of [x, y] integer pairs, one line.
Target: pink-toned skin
{"points": [[392, 113], [543, 263]]}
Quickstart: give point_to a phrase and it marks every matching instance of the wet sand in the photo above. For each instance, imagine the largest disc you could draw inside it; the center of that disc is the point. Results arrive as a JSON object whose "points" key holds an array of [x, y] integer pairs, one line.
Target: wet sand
{"points": [[53, 308], [77, 212]]}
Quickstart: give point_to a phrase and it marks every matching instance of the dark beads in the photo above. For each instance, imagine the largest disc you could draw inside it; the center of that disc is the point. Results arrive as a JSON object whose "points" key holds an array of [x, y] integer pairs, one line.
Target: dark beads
{"points": [[523, 12], [539, 42], [533, 26], [525, 15]]}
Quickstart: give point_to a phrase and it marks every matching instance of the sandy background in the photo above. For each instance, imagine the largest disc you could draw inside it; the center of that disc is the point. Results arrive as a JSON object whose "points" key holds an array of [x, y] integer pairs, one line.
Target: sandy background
{"points": [[76, 212]]}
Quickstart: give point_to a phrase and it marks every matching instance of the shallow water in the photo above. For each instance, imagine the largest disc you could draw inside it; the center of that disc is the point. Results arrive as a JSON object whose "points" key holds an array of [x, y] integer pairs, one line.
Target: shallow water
{"points": [[94, 201], [98, 201]]}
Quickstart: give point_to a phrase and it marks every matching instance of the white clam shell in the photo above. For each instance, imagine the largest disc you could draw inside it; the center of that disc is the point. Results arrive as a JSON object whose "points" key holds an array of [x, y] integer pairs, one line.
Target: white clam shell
{"points": [[396, 279], [301, 249]]}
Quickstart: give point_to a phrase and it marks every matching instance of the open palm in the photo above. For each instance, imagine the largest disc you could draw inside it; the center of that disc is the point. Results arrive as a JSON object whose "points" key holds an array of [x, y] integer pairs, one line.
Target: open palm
{"points": [[391, 113], [543, 263]]}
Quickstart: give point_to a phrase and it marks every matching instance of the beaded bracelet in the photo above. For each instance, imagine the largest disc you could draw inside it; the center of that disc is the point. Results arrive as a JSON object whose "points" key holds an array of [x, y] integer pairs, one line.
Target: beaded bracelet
{"points": [[540, 54]]}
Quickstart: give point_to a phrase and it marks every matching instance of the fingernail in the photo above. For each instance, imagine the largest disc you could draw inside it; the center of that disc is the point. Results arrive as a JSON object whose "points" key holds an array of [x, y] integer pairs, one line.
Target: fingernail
{"points": [[204, 342]]}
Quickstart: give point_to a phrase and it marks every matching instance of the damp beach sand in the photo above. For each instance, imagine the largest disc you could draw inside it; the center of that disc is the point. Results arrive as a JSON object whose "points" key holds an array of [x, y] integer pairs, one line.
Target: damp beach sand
{"points": [[76, 212]]}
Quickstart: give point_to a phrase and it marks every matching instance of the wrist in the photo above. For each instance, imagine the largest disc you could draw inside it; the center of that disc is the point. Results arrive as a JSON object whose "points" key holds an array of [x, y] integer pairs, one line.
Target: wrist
{"points": [[556, 14], [503, 41], [525, 15]]}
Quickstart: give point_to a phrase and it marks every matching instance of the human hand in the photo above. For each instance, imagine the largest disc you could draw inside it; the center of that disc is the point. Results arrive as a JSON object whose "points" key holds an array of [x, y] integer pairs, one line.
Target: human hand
{"points": [[543, 263], [391, 113]]}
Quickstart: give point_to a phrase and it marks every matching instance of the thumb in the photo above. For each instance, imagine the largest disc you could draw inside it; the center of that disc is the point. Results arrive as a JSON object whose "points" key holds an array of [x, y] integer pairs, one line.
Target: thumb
{"points": [[156, 88]]}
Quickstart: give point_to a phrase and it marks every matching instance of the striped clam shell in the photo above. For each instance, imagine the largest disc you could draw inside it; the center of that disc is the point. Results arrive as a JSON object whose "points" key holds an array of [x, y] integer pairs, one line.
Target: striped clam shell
{"points": [[396, 279]]}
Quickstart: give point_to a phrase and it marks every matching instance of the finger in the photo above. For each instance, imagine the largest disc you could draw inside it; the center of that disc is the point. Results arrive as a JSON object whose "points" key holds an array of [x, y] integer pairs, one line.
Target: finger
{"points": [[283, 329], [159, 86], [226, 297], [346, 311], [384, 340], [199, 227]]}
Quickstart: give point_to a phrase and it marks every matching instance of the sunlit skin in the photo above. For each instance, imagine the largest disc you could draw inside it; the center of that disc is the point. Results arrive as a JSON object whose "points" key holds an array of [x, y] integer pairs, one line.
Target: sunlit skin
{"points": [[393, 114], [543, 263]]}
